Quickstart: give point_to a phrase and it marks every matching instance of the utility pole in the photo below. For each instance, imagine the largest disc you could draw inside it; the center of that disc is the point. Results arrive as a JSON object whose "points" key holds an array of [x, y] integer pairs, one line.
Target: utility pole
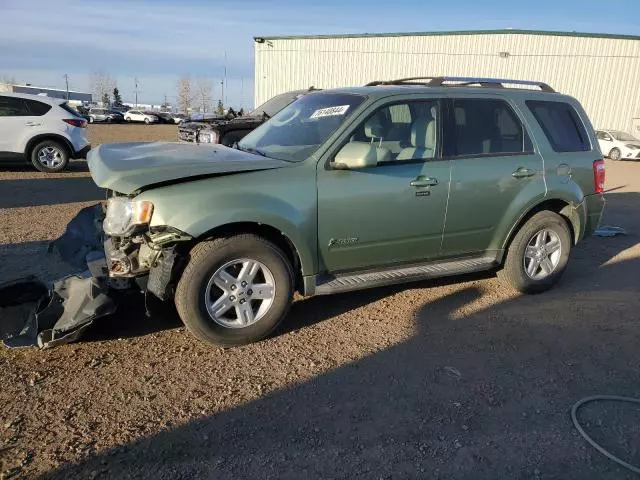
{"points": [[66, 79], [225, 76], [241, 93], [135, 80], [222, 94], [166, 106]]}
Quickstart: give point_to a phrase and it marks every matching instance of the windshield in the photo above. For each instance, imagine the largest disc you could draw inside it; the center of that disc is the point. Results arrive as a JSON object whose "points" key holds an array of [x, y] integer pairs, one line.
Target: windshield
{"points": [[275, 104], [624, 137], [299, 129]]}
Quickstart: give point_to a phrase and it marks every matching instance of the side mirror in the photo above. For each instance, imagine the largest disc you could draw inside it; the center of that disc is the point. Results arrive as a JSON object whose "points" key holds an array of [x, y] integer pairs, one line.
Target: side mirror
{"points": [[358, 155]]}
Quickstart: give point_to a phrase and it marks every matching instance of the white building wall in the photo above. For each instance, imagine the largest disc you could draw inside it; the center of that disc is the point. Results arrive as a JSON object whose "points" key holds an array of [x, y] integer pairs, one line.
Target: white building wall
{"points": [[602, 73]]}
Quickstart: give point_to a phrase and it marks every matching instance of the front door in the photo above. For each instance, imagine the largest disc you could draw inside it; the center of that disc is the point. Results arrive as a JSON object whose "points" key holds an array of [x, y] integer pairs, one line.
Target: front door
{"points": [[391, 213], [493, 169]]}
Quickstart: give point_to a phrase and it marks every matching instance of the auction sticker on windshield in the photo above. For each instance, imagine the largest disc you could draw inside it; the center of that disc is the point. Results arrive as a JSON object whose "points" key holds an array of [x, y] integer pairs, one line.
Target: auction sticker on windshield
{"points": [[330, 111]]}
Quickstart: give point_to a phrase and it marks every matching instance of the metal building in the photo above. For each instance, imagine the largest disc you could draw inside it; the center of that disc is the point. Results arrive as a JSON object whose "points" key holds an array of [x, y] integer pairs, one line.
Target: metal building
{"points": [[74, 97], [602, 71]]}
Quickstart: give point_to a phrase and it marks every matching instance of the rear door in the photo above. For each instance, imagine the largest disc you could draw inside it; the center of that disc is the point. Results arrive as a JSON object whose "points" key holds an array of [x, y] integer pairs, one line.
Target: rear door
{"points": [[495, 172], [16, 123]]}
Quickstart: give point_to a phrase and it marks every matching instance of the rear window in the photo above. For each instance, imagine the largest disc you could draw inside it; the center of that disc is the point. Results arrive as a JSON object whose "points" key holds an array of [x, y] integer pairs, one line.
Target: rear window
{"points": [[71, 110], [37, 108], [561, 125]]}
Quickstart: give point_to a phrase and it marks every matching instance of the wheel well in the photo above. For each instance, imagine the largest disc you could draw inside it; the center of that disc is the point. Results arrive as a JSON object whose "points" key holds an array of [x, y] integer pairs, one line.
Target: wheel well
{"points": [[554, 205], [268, 233], [41, 138]]}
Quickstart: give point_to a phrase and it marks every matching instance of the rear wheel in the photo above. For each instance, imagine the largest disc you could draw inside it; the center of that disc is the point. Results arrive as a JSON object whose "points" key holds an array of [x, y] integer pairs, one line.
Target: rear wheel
{"points": [[615, 154], [538, 254], [234, 290], [146, 120], [50, 156]]}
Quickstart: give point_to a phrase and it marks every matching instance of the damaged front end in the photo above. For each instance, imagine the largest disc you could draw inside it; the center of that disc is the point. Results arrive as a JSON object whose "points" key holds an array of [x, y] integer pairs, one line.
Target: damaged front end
{"points": [[138, 259]]}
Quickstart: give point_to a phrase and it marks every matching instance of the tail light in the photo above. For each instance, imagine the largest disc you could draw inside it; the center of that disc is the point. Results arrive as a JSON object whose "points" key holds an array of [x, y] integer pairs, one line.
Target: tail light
{"points": [[598, 175], [76, 122]]}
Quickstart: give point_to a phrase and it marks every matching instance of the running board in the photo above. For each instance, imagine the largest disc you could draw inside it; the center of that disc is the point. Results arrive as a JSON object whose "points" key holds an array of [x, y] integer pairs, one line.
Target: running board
{"points": [[376, 278]]}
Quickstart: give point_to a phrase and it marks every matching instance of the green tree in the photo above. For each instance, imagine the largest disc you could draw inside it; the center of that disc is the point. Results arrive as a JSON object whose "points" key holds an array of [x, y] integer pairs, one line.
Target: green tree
{"points": [[105, 99], [117, 99], [220, 108]]}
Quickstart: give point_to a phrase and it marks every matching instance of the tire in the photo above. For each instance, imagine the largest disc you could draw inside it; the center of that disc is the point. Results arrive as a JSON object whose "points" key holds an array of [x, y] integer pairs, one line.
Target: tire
{"points": [[196, 286], [615, 154], [50, 156], [514, 271], [91, 120], [146, 120], [127, 119], [229, 139]]}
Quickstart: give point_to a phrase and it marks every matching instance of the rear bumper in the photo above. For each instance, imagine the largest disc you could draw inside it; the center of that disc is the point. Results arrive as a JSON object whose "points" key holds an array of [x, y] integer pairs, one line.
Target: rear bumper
{"points": [[82, 153], [593, 207]]}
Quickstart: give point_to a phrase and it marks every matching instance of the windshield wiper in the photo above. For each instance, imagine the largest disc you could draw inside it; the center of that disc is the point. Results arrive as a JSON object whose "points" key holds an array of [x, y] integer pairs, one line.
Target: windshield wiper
{"points": [[251, 150]]}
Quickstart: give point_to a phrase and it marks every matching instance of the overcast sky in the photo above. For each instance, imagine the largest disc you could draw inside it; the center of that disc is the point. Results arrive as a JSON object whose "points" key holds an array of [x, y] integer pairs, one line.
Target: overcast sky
{"points": [[157, 41]]}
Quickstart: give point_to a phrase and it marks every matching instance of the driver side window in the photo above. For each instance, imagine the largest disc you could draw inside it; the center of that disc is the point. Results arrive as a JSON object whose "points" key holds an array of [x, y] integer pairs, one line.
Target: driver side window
{"points": [[401, 132]]}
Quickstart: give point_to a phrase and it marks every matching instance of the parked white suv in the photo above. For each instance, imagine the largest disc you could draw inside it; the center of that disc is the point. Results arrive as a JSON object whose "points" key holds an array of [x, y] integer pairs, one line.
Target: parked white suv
{"points": [[42, 130], [140, 116]]}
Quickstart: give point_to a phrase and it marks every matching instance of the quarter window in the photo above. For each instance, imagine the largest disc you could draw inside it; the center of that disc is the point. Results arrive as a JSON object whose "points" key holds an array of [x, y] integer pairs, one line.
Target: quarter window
{"points": [[486, 127], [13, 107], [561, 125], [36, 108]]}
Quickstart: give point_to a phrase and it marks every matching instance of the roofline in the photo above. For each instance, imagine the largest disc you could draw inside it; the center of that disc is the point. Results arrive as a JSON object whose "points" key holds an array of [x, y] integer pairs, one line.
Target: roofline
{"points": [[33, 96], [507, 31], [48, 88]]}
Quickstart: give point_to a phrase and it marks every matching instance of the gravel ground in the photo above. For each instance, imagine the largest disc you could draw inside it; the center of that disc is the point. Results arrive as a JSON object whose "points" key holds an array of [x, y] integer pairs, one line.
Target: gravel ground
{"points": [[448, 379]]}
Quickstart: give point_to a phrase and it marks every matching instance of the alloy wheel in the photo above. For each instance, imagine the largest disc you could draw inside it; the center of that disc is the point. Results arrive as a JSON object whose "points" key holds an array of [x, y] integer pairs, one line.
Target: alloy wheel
{"points": [[542, 255], [51, 157], [240, 293]]}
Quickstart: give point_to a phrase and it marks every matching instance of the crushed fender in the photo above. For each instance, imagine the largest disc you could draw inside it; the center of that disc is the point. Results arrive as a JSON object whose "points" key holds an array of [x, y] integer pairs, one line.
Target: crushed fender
{"points": [[61, 315]]}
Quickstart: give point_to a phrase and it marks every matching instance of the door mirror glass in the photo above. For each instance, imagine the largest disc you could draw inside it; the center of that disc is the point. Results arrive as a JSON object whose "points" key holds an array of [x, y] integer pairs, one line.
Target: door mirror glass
{"points": [[356, 155]]}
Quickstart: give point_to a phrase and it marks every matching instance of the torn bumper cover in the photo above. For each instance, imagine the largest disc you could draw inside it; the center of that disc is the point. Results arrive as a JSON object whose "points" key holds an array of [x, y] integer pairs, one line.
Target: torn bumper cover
{"points": [[32, 313], [61, 314]]}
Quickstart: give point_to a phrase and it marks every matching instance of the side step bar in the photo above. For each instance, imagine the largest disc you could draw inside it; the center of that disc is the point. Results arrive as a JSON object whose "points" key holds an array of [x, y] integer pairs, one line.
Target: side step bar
{"points": [[376, 278]]}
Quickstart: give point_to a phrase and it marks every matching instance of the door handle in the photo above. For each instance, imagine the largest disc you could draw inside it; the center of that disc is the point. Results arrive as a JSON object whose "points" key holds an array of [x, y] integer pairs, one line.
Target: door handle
{"points": [[32, 124], [524, 172], [423, 182]]}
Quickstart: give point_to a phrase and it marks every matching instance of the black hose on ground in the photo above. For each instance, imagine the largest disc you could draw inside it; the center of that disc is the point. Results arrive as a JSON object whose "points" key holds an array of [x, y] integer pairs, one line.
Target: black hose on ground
{"points": [[576, 423]]}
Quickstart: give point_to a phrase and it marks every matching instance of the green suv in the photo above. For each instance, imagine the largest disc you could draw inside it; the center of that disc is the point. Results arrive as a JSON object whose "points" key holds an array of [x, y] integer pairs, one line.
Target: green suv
{"points": [[354, 188]]}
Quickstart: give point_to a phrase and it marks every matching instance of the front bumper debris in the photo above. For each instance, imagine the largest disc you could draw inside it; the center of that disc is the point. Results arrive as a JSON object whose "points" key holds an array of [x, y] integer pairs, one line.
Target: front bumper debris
{"points": [[32, 313], [61, 315]]}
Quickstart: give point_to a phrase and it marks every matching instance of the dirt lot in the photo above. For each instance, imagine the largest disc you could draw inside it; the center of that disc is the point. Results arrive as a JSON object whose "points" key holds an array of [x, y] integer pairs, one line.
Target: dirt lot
{"points": [[449, 379]]}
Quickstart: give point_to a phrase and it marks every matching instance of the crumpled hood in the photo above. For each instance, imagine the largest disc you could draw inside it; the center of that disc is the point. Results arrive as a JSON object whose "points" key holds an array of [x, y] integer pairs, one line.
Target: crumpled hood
{"points": [[127, 167]]}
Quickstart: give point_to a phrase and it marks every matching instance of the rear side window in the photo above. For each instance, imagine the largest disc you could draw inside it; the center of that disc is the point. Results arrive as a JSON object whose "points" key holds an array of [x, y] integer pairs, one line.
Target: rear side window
{"points": [[561, 125], [486, 127], [37, 108], [13, 107]]}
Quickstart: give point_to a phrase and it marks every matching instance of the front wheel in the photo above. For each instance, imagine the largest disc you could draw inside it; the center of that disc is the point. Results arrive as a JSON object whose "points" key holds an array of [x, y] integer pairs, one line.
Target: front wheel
{"points": [[234, 290], [615, 154], [538, 254], [146, 120]]}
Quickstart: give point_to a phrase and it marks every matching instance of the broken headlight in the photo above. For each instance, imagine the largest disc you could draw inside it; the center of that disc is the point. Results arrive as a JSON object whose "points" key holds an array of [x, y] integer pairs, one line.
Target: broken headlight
{"points": [[124, 215]]}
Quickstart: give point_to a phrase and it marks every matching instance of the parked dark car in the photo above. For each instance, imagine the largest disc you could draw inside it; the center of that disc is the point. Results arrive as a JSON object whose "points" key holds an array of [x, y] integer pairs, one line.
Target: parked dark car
{"points": [[229, 129]]}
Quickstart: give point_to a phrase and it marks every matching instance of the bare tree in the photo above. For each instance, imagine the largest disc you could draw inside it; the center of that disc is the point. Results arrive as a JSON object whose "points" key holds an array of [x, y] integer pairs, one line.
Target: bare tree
{"points": [[102, 84], [185, 94], [6, 83], [204, 89]]}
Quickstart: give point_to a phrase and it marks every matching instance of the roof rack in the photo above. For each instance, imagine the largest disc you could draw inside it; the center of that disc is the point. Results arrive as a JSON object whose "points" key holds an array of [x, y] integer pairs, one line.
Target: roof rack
{"points": [[462, 81]]}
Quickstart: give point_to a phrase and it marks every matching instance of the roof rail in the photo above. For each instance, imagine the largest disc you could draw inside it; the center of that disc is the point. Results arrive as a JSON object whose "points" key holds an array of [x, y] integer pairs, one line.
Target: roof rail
{"points": [[463, 81]]}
